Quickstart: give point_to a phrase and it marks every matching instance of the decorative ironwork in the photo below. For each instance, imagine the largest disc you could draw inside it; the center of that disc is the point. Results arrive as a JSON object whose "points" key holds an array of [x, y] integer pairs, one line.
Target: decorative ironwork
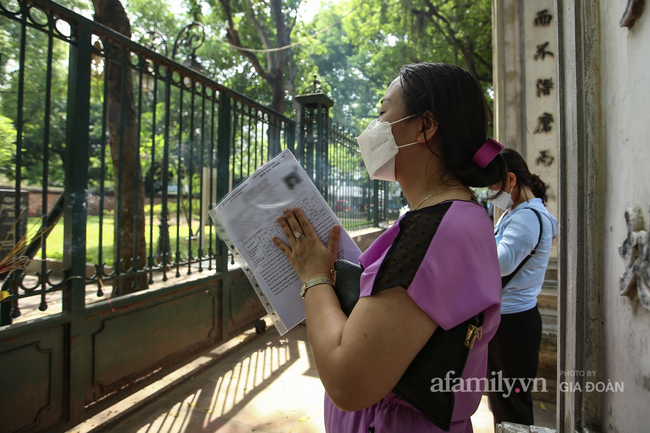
{"points": [[635, 251], [317, 84], [189, 39], [154, 41]]}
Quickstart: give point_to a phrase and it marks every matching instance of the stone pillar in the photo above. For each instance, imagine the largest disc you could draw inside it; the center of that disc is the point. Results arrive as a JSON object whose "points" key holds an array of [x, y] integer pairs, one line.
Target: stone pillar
{"points": [[526, 119], [525, 86], [313, 137]]}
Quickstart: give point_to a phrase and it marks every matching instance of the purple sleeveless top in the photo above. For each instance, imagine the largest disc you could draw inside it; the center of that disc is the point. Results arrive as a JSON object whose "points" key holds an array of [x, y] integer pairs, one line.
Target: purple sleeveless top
{"points": [[457, 278]]}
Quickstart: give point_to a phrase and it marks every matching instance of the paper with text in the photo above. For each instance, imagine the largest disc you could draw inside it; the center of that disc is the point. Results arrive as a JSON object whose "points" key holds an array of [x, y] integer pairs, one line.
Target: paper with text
{"points": [[246, 219]]}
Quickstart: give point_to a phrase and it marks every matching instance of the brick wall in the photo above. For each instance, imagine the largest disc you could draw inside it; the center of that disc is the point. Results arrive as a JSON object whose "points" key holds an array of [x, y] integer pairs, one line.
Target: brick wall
{"points": [[35, 200]]}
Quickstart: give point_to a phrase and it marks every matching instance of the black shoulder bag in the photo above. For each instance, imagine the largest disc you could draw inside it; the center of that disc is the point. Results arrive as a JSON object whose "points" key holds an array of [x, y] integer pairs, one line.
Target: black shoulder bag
{"points": [[505, 280], [444, 355]]}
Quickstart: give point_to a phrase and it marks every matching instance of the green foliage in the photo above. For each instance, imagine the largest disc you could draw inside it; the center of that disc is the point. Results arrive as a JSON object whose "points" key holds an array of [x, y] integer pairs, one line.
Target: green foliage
{"points": [[355, 60], [35, 134], [33, 101], [359, 57], [7, 147]]}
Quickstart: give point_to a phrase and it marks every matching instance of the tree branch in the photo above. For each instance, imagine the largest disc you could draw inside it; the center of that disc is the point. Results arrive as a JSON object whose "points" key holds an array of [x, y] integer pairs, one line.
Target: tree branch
{"points": [[225, 4], [435, 11], [430, 14], [295, 18], [233, 37], [482, 60], [250, 13]]}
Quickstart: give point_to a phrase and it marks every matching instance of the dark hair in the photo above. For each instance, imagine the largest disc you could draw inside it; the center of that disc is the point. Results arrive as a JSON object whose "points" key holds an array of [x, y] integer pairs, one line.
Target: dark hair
{"points": [[515, 164], [454, 97]]}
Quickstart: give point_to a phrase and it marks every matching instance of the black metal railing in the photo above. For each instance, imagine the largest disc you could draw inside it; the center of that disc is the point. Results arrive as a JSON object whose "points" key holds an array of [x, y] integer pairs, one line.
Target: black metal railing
{"points": [[330, 154], [142, 145], [357, 200]]}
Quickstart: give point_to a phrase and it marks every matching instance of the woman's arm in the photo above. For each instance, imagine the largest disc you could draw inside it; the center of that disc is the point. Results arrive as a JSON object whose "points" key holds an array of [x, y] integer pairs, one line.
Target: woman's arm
{"points": [[361, 358], [518, 240]]}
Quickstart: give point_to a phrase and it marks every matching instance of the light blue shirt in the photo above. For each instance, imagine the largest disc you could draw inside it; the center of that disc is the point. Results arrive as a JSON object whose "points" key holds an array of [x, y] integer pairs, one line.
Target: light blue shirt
{"points": [[516, 235]]}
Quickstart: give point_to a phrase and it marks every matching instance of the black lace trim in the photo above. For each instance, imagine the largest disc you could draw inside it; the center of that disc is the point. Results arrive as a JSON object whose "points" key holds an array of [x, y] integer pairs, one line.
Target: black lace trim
{"points": [[416, 231]]}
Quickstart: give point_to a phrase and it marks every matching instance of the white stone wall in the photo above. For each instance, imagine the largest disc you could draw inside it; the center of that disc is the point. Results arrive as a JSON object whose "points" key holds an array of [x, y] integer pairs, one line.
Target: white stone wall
{"points": [[625, 92]]}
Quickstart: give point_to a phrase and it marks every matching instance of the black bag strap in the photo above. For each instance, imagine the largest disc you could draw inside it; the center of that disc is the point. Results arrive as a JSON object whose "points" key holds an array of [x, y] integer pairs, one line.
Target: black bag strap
{"points": [[505, 280]]}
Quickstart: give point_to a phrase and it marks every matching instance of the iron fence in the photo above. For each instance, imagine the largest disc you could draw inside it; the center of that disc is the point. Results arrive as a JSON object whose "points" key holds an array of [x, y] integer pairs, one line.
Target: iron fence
{"points": [[330, 154], [150, 143], [358, 201]]}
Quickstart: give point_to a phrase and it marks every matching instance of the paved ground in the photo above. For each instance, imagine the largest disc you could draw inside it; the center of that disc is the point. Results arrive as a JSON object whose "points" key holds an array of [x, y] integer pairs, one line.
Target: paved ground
{"points": [[268, 384]]}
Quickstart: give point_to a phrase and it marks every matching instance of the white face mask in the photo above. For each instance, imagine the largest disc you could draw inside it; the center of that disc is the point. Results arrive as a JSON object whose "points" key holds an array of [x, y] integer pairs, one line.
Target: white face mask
{"points": [[378, 149], [504, 201]]}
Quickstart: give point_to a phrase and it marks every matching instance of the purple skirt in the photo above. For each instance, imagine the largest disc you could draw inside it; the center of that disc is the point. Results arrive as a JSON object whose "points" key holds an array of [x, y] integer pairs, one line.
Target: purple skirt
{"points": [[390, 415]]}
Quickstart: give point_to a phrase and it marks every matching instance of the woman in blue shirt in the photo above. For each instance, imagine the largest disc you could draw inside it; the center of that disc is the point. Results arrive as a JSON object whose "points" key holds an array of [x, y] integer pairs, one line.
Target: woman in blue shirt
{"points": [[524, 235]]}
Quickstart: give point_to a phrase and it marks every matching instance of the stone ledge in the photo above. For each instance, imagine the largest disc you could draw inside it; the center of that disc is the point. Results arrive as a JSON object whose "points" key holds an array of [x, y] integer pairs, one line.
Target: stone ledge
{"points": [[363, 238]]}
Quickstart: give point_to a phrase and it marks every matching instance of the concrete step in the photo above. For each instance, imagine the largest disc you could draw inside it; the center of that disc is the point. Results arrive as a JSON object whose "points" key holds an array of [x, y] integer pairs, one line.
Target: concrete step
{"points": [[551, 391], [550, 284], [548, 312], [508, 427], [551, 274], [547, 298]]}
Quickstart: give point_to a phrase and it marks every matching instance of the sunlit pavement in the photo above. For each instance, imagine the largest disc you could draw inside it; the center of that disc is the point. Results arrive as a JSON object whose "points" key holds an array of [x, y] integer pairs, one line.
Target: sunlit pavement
{"points": [[268, 384]]}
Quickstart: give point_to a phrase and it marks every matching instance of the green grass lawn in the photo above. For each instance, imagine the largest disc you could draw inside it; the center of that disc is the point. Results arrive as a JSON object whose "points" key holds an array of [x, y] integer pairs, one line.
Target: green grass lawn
{"points": [[55, 247]]}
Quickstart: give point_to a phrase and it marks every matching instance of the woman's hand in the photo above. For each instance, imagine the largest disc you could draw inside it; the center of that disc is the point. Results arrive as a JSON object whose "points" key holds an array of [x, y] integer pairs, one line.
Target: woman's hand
{"points": [[306, 253]]}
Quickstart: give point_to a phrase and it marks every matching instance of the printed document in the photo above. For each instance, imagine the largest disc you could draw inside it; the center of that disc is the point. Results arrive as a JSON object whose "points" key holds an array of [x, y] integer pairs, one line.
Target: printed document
{"points": [[246, 219]]}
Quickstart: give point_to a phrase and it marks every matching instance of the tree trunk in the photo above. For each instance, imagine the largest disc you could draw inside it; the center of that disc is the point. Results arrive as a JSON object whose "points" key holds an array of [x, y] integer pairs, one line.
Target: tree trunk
{"points": [[129, 240], [277, 92]]}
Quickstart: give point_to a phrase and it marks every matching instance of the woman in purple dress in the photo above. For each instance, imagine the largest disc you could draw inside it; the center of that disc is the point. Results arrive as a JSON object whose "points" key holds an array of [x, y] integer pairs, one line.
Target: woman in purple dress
{"points": [[433, 270]]}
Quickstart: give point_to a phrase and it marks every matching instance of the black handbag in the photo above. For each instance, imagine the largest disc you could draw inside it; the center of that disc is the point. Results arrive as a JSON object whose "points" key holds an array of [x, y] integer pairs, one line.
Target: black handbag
{"points": [[445, 352]]}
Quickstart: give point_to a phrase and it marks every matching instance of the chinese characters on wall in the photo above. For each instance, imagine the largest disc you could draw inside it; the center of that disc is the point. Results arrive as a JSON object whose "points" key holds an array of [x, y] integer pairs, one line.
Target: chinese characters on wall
{"points": [[542, 53], [543, 85], [544, 158], [543, 18]]}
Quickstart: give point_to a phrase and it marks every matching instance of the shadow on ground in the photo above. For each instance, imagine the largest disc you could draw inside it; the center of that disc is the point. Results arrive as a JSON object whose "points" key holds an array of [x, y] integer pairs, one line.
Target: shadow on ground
{"points": [[268, 385]]}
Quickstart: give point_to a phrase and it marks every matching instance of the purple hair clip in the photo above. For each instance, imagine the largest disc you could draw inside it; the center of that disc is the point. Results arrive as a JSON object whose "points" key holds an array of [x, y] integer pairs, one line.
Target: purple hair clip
{"points": [[487, 152]]}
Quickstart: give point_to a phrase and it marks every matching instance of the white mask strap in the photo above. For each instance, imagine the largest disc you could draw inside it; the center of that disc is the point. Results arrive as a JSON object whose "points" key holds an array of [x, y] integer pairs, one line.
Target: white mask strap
{"points": [[407, 117], [407, 145]]}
